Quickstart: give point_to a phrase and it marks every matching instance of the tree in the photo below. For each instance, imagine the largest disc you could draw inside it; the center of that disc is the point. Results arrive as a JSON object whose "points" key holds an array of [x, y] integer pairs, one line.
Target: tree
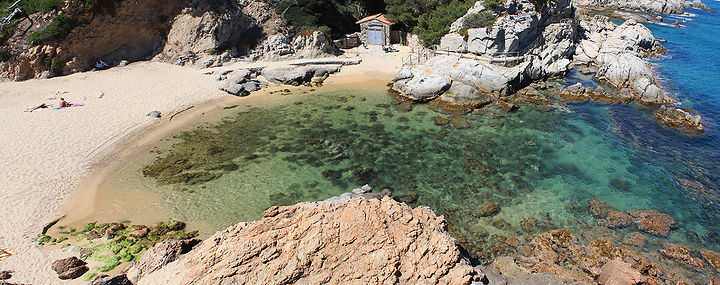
{"points": [[434, 25]]}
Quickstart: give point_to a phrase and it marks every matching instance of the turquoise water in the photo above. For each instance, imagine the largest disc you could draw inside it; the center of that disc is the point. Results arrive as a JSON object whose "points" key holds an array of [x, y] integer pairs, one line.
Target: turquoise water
{"points": [[540, 165]]}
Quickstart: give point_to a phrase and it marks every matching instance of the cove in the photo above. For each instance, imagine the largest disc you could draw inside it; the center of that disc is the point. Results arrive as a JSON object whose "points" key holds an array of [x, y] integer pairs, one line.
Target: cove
{"points": [[540, 165]]}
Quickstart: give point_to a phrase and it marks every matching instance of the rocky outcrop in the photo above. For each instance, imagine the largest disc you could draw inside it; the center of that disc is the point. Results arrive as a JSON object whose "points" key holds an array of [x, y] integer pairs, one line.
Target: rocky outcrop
{"points": [[520, 47], [617, 51], [318, 243], [648, 6], [679, 119], [296, 75], [158, 256], [305, 45], [210, 34], [712, 258], [186, 32], [578, 93]]}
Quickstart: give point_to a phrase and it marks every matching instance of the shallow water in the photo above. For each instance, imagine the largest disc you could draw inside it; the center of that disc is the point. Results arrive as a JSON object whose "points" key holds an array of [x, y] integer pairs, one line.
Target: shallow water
{"points": [[539, 163]]}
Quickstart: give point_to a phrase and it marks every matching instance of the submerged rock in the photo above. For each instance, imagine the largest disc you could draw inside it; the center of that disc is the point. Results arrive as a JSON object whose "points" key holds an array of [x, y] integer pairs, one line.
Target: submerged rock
{"points": [[712, 258], [459, 122], [681, 254], [599, 209], [616, 219], [635, 239], [653, 222], [289, 246], [488, 209], [440, 121]]}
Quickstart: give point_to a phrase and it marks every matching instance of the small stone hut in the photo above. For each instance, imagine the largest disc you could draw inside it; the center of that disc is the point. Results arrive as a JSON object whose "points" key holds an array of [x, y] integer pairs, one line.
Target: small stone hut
{"points": [[375, 30]]}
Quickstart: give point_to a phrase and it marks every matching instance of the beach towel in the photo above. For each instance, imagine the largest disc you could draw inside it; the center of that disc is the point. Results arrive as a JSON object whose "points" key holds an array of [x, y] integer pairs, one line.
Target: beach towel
{"points": [[4, 254], [73, 105]]}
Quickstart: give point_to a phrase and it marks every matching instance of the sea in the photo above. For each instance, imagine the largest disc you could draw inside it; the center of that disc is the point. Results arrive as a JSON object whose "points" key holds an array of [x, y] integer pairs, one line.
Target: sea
{"points": [[541, 165]]}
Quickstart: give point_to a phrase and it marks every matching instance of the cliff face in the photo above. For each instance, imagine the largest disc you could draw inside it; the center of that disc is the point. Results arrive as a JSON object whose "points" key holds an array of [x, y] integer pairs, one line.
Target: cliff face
{"points": [[359, 241], [186, 32]]}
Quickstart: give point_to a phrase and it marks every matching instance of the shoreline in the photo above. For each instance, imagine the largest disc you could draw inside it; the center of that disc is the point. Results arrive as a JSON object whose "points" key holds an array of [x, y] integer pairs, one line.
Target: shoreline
{"points": [[86, 202], [72, 153]]}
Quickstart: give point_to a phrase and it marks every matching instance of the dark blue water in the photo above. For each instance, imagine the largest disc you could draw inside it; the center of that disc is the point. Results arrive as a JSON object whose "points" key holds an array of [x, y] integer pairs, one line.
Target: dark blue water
{"points": [[691, 73]]}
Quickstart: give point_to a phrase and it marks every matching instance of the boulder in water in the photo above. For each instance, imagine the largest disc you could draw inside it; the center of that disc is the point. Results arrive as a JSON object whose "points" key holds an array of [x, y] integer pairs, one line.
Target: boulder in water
{"points": [[679, 119], [653, 222]]}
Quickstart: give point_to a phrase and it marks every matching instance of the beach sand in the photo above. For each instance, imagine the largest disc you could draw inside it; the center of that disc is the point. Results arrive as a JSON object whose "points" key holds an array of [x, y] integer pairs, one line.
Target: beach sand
{"points": [[45, 155]]}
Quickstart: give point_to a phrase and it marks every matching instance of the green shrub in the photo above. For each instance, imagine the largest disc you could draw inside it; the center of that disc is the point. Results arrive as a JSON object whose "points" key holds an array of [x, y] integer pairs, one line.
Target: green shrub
{"points": [[89, 227], [479, 20], [432, 26], [57, 30], [492, 4], [32, 6], [5, 56]]}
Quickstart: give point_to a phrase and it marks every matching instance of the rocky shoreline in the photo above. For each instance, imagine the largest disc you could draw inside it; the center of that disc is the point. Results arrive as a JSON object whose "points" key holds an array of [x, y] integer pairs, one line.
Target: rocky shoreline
{"points": [[413, 246], [508, 61]]}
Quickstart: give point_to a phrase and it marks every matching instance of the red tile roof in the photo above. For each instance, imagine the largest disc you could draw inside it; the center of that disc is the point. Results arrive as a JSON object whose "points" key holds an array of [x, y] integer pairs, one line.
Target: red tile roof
{"points": [[380, 17]]}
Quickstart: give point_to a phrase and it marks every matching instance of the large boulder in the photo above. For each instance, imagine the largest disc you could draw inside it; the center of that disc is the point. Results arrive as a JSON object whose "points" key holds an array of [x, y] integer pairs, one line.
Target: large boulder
{"points": [[453, 42], [319, 243], [296, 75], [69, 268], [618, 51], [618, 272]]}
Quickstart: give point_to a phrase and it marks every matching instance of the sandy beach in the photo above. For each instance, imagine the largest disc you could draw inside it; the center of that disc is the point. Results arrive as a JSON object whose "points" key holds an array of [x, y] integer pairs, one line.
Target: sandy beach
{"points": [[46, 154]]}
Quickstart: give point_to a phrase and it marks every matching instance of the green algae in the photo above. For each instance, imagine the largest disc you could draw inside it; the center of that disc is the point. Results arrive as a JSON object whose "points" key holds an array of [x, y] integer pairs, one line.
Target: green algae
{"points": [[119, 242]]}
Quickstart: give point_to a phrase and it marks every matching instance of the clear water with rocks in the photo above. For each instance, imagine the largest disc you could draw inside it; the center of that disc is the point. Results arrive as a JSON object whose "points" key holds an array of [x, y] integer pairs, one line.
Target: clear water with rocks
{"points": [[539, 164]]}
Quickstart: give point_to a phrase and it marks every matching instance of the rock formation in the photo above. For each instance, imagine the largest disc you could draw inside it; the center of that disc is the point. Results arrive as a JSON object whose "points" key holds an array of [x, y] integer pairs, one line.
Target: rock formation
{"points": [[327, 243], [680, 119], [493, 61], [648, 6], [617, 51], [186, 32], [681, 254], [502, 62]]}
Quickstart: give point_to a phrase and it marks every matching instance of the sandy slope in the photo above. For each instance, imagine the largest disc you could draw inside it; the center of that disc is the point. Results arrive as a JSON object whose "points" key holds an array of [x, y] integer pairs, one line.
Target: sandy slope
{"points": [[45, 154]]}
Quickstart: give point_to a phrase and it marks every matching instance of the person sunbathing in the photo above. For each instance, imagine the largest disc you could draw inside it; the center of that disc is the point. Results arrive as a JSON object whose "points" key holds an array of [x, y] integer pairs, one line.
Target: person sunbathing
{"points": [[64, 104]]}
